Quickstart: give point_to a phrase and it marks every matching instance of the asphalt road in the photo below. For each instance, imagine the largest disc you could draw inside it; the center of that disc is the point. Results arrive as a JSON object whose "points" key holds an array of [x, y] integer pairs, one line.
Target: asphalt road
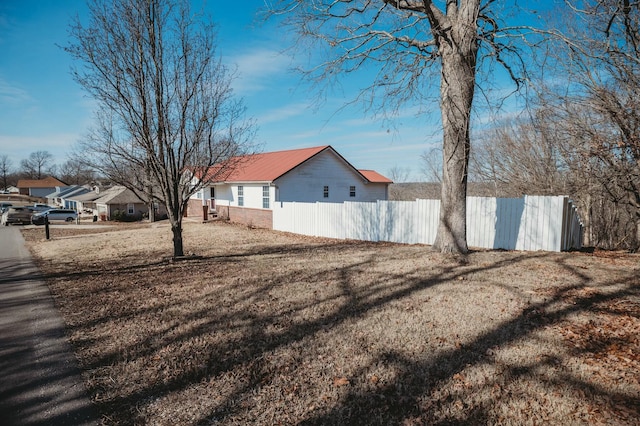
{"points": [[40, 382]]}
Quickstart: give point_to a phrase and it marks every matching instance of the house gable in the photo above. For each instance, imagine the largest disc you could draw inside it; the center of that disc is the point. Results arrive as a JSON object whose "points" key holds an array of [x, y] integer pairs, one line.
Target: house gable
{"points": [[327, 177]]}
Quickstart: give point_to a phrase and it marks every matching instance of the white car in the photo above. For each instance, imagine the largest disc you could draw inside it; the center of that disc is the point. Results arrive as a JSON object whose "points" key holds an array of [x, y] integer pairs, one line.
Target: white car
{"points": [[67, 215]]}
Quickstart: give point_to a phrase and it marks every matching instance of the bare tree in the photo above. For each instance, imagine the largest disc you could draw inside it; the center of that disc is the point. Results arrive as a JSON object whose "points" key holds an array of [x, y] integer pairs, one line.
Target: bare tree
{"points": [[598, 113], [167, 116], [399, 174], [432, 164], [6, 169], [521, 157], [76, 172], [403, 39], [38, 164]]}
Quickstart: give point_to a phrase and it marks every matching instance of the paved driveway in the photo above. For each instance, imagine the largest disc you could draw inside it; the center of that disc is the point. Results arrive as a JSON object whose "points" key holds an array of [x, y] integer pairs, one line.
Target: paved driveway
{"points": [[40, 383]]}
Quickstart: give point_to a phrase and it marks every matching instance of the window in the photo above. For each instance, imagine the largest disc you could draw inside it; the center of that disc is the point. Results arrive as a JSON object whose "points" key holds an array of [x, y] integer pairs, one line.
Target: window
{"points": [[213, 192], [325, 192], [240, 195], [352, 191], [130, 209], [265, 197]]}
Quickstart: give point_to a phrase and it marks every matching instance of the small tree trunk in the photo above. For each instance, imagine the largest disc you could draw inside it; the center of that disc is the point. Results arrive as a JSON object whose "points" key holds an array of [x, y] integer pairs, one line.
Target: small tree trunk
{"points": [[586, 221], [178, 250], [152, 213], [174, 210], [636, 246], [456, 90]]}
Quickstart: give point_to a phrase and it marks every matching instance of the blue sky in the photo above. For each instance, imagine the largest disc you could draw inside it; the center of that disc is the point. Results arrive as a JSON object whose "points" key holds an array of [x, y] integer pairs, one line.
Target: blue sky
{"points": [[42, 108]]}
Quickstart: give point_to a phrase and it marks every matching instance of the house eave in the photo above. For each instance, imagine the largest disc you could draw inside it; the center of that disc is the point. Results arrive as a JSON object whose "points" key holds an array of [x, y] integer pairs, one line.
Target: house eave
{"points": [[236, 182]]}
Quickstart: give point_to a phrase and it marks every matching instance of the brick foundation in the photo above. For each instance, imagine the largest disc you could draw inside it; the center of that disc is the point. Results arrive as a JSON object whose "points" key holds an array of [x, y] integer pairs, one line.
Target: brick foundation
{"points": [[194, 208], [251, 217]]}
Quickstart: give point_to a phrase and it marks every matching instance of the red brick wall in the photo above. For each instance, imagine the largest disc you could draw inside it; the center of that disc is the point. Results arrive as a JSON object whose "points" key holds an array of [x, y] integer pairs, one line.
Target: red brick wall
{"points": [[194, 208], [251, 217]]}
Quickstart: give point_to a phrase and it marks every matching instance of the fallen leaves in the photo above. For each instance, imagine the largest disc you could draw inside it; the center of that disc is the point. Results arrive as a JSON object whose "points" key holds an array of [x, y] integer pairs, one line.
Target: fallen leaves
{"points": [[608, 346], [259, 331], [340, 381]]}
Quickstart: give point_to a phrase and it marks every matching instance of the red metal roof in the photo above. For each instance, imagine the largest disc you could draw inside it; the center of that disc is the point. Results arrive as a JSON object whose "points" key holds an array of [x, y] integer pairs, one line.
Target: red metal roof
{"points": [[269, 166], [375, 177]]}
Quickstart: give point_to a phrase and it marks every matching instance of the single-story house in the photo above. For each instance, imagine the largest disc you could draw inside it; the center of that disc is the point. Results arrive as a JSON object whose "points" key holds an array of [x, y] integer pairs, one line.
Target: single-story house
{"points": [[120, 201], [85, 203], [63, 196], [39, 187], [319, 174]]}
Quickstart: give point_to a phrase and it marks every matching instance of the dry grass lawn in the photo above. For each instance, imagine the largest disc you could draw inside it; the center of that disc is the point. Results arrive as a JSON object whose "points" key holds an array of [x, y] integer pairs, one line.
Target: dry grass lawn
{"points": [[269, 328]]}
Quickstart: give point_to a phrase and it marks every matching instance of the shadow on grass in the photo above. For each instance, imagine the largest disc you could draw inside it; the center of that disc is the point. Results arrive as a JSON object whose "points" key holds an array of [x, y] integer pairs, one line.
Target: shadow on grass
{"points": [[398, 401]]}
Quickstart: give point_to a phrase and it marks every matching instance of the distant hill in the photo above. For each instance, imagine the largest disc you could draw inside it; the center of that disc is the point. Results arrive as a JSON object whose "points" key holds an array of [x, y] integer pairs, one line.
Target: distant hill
{"points": [[410, 191]]}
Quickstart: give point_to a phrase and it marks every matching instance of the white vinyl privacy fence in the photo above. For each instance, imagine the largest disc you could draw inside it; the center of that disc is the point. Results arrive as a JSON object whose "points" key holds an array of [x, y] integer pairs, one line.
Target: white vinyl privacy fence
{"points": [[529, 223]]}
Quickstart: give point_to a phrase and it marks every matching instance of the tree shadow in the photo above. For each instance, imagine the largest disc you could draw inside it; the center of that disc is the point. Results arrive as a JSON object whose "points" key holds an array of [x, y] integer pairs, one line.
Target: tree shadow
{"points": [[262, 332]]}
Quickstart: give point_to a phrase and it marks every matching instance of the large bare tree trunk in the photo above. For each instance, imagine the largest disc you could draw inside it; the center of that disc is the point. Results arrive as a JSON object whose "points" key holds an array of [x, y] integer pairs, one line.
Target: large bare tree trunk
{"points": [[458, 47]]}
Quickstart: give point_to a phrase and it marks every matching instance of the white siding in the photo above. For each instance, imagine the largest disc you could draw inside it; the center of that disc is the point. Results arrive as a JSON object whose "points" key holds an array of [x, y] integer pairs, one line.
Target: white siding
{"points": [[227, 195], [305, 183]]}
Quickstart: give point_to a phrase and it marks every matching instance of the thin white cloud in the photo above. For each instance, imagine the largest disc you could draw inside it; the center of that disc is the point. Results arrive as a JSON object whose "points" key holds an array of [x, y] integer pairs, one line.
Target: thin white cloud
{"points": [[257, 67], [12, 94], [281, 114]]}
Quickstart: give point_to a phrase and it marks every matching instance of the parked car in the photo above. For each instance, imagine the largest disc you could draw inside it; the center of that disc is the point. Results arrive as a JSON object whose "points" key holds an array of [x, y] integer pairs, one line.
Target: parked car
{"points": [[16, 214], [67, 215]]}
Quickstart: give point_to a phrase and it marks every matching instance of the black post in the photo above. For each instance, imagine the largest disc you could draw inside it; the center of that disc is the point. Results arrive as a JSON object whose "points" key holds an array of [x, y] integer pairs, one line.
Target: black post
{"points": [[46, 226]]}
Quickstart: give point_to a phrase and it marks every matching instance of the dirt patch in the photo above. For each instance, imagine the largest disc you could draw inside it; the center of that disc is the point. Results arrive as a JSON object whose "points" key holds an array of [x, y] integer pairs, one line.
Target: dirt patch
{"points": [[270, 328]]}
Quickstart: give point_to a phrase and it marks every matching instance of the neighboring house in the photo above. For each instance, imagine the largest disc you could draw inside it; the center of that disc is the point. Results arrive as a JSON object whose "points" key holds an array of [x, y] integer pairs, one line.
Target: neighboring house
{"points": [[119, 200], [64, 196], [318, 174], [86, 202], [39, 187]]}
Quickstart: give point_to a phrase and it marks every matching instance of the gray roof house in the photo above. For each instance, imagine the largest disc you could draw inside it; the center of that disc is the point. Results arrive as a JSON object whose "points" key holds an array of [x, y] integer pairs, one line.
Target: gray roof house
{"points": [[63, 195], [118, 202], [86, 202]]}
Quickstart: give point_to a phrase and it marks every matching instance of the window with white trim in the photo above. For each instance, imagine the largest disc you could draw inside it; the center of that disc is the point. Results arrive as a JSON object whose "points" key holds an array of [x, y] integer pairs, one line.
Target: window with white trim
{"points": [[325, 191], [265, 197], [240, 195]]}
